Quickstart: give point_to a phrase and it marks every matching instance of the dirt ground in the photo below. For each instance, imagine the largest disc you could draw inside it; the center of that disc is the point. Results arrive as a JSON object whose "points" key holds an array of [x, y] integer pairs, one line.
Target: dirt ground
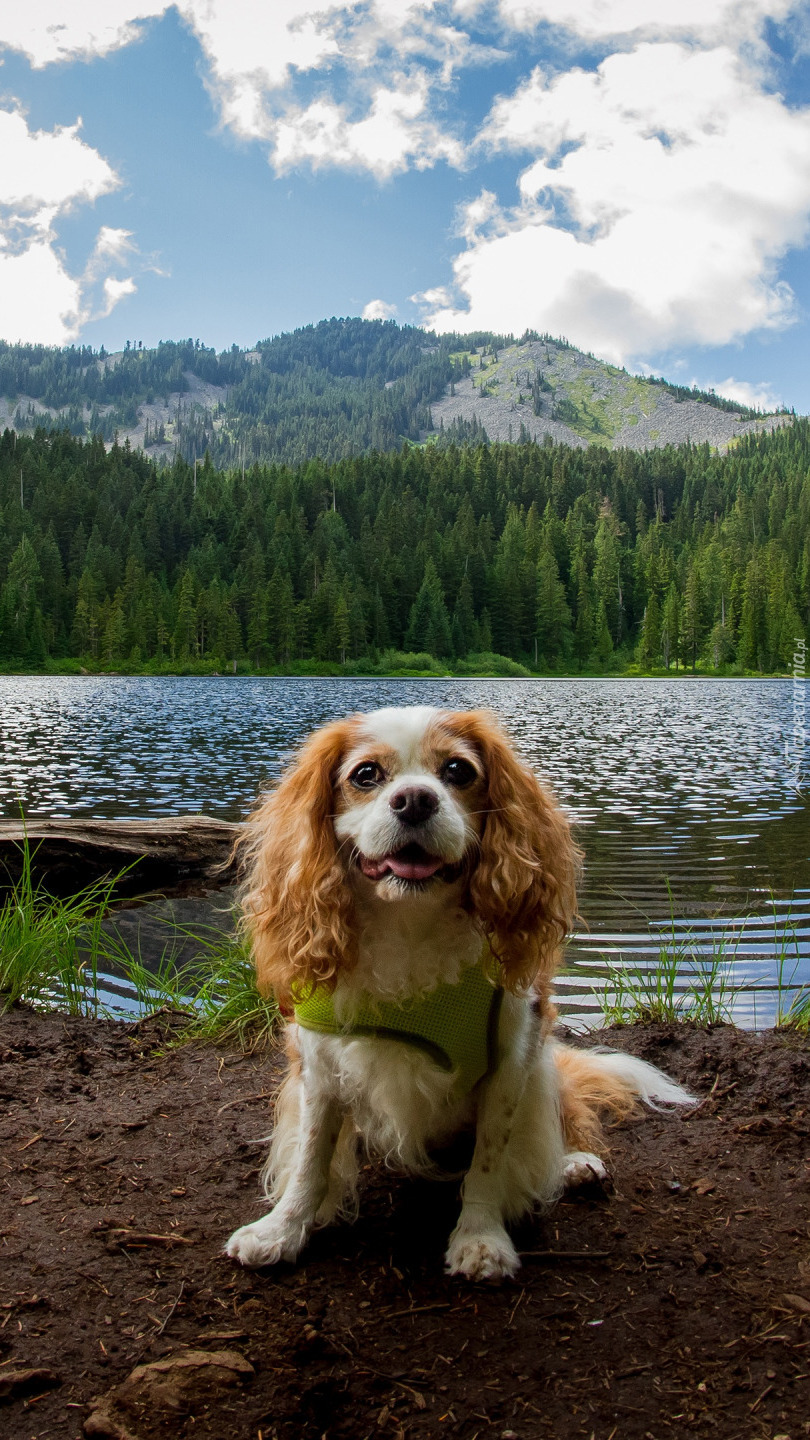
{"points": [[677, 1304]]}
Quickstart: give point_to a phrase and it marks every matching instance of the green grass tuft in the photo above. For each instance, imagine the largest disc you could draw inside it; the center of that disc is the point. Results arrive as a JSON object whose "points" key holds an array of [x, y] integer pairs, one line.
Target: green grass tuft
{"points": [[793, 1002], [685, 983], [215, 994], [636, 994], [53, 953], [692, 982], [51, 950]]}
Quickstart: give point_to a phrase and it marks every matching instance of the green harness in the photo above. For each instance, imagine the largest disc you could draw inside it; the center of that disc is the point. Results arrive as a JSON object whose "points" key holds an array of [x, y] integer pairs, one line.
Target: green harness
{"points": [[457, 1025]]}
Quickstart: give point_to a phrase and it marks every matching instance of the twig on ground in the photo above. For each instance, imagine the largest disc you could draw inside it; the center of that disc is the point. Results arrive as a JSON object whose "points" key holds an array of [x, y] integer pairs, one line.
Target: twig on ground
{"points": [[243, 1100], [719, 1095], [175, 1304]]}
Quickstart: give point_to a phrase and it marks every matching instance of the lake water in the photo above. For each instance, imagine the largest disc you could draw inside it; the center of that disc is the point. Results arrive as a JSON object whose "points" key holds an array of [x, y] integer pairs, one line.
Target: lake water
{"points": [[684, 800]]}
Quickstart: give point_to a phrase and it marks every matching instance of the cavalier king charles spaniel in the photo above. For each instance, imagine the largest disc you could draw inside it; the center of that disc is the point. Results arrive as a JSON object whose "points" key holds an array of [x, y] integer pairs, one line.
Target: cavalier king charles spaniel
{"points": [[410, 885]]}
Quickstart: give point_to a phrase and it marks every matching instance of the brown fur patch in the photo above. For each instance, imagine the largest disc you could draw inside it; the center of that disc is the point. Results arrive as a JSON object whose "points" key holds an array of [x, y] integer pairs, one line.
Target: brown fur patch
{"points": [[586, 1094]]}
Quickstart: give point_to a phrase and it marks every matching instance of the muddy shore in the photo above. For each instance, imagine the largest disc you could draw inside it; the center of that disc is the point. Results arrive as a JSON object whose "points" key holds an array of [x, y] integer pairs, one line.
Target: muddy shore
{"points": [[678, 1303]]}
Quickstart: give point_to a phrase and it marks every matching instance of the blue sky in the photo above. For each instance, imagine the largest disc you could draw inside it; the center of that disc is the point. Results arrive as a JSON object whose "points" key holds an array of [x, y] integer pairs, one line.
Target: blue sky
{"points": [[633, 175]]}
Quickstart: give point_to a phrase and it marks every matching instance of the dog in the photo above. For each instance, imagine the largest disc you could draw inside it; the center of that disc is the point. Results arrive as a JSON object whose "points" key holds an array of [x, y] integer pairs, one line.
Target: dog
{"points": [[410, 884]]}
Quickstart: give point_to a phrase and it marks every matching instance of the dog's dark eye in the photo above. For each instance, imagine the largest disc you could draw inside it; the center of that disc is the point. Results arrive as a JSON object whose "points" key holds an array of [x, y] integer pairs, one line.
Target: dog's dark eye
{"points": [[458, 772], [367, 775]]}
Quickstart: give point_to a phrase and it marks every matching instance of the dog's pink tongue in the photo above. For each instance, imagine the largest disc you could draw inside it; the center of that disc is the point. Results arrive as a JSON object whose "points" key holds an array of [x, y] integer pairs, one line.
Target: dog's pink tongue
{"points": [[402, 868], [413, 869]]}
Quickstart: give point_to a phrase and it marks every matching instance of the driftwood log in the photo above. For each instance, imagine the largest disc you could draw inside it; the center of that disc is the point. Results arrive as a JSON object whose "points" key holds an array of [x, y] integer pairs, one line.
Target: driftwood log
{"points": [[176, 855]]}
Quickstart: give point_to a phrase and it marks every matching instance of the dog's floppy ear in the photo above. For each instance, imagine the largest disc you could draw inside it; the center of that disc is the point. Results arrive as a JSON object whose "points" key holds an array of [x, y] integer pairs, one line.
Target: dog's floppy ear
{"points": [[296, 903], [523, 887]]}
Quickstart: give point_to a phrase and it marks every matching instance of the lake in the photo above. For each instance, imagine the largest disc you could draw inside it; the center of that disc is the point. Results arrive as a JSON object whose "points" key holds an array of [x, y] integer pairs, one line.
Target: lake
{"points": [[684, 800]]}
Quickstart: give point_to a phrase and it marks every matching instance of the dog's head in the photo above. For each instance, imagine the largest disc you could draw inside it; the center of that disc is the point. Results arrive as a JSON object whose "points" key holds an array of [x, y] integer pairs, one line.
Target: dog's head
{"points": [[406, 806]]}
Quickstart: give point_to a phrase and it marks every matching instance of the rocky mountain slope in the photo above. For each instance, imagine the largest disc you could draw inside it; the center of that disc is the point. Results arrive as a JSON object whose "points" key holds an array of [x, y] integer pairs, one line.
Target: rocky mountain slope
{"points": [[537, 388]]}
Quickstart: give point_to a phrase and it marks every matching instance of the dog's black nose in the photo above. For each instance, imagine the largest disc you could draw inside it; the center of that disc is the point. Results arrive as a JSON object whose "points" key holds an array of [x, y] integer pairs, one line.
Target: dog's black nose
{"points": [[414, 806]]}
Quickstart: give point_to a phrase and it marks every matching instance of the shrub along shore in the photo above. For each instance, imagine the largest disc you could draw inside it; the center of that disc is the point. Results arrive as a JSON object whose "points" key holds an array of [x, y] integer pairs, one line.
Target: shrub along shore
{"points": [[397, 665]]}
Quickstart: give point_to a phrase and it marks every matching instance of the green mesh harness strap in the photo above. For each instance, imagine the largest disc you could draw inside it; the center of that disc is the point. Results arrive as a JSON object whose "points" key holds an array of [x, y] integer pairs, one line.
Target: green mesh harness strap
{"points": [[457, 1025]]}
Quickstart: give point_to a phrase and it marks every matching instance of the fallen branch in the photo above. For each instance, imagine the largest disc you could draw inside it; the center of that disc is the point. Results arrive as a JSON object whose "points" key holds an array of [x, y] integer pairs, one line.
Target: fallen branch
{"points": [[146, 1237], [419, 1309], [565, 1254]]}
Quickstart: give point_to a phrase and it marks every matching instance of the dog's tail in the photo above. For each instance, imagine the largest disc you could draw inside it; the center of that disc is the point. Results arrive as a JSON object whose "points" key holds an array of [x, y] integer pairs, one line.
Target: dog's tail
{"points": [[599, 1083]]}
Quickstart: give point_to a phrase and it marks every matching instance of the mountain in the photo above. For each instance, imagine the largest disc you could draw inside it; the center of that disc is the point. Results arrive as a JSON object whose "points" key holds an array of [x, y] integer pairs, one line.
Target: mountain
{"points": [[345, 387]]}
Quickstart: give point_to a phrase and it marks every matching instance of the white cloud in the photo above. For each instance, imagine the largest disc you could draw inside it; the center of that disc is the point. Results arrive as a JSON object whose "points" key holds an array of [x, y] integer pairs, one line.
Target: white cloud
{"points": [[391, 57], [393, 135], [46, 173], [667, 188], [381, 63], [46, 170], [114, 290], [595, 20], [253, 48], [39, 300], [378, 310], [47, 31], [757, 397]]}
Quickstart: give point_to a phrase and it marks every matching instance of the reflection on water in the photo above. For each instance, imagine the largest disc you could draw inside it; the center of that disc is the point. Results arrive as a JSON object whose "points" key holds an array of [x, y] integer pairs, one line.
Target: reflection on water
{"points": [[675, 781]]}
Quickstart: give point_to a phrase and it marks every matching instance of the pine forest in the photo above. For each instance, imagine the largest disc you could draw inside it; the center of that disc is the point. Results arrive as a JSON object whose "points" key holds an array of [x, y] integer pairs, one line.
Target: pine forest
{"points": [[505, 559]]}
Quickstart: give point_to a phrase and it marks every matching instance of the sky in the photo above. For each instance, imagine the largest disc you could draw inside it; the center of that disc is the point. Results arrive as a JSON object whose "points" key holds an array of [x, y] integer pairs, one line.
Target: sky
{"points": [[633, 175]]}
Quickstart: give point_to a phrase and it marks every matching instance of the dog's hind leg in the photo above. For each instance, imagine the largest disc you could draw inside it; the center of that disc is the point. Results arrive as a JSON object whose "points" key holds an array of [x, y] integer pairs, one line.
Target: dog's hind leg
{"points": [[340, 1201], [582, 1167]]}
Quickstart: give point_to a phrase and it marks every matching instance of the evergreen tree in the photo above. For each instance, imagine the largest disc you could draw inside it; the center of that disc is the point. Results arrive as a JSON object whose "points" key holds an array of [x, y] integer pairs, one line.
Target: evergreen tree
{"points": [[429, 623], [463, 625], [603, 643], [20, 629], [753, 641], [584, 630], [649, 649], [692, 624], [607, 577], [258, 629], [671, 628], [678, 554], [282, 615], [115, 632], [553, 624], [184, 642], [343, 626], [85, 633]]}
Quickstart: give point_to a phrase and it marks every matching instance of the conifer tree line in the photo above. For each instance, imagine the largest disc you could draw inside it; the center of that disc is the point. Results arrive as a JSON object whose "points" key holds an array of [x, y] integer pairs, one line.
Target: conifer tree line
{"points": [[561, 560]]}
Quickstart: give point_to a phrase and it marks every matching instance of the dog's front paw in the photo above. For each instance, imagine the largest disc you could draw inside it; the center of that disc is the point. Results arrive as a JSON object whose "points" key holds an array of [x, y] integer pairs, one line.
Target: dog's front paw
{"points": [[580, 1167], [265, 1242], [482, 1255]]}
